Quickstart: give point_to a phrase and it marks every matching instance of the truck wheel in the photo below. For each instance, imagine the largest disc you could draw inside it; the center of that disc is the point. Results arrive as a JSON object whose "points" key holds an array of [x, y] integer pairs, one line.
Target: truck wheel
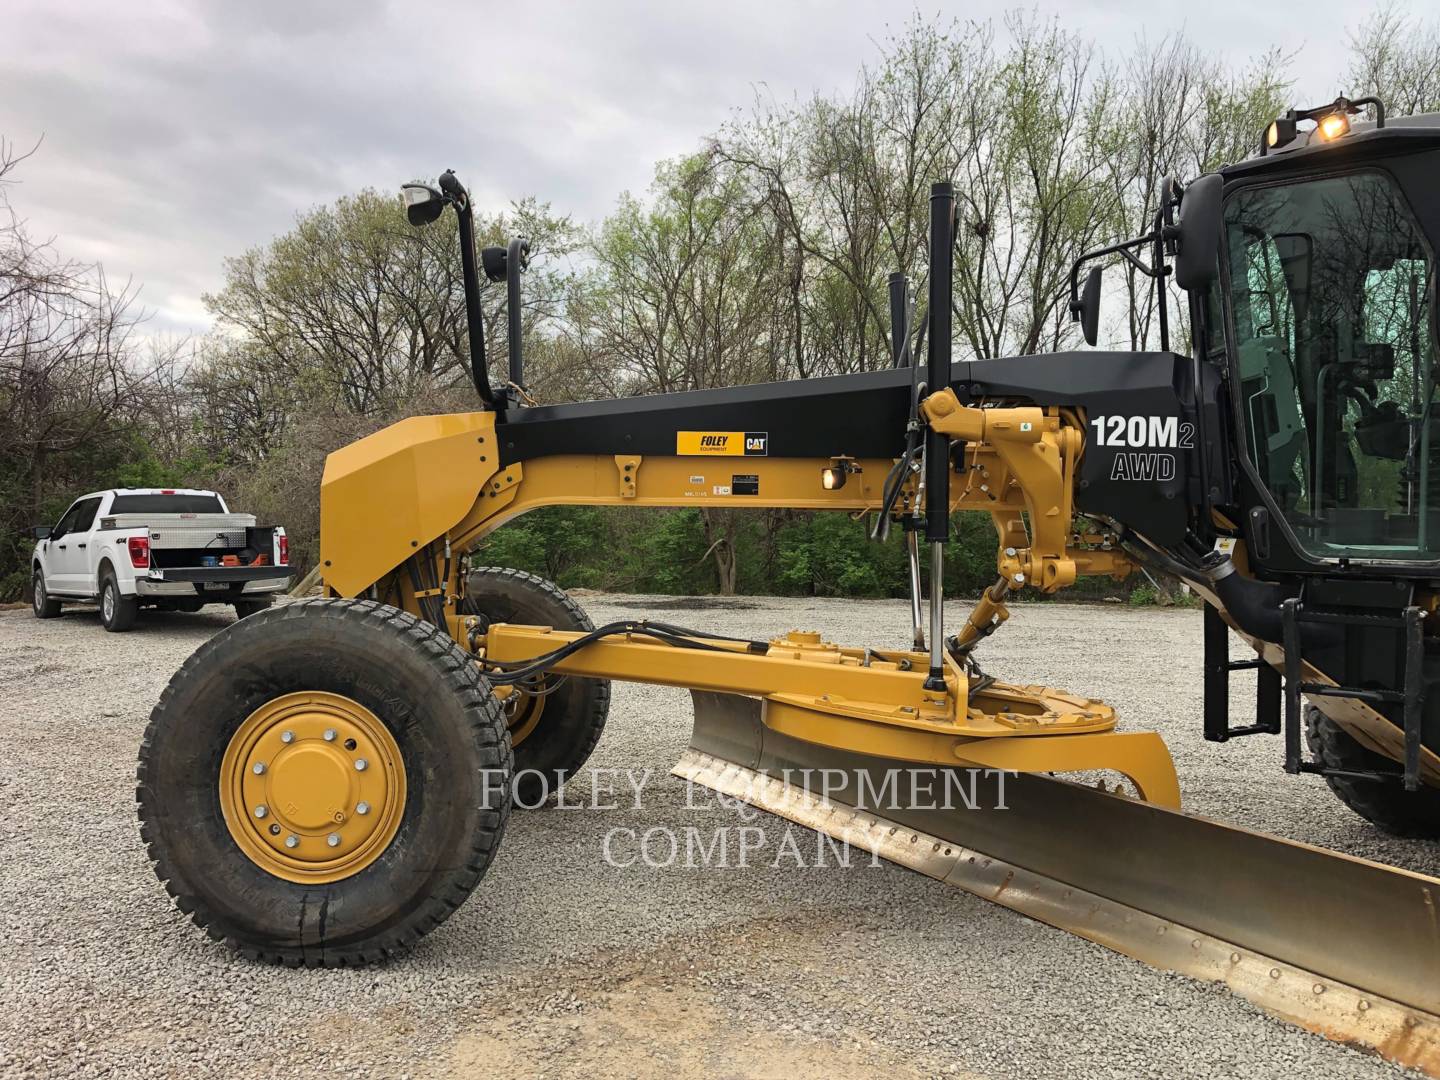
{"points": [[554, 733], [46, 606], [245, 608], [324, 783], [117, 611], [1414, 814]]}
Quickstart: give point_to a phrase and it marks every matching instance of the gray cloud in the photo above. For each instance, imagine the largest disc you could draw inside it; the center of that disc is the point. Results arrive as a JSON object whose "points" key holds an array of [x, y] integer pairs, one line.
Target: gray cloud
{"points": [[179, 133]]}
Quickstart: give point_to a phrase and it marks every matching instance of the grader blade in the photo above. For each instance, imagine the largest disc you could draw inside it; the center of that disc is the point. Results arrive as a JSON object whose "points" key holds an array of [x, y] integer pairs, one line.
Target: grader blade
{"points": [[1341, 946]]}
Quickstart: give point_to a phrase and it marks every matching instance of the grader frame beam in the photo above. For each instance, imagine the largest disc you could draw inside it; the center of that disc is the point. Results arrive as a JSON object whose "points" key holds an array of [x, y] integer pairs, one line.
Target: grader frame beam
{"points": [[439, 481]]}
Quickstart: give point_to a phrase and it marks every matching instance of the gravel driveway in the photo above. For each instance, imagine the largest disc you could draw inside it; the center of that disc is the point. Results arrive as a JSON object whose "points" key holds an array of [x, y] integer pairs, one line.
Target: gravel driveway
{"points": [[562, 964]]}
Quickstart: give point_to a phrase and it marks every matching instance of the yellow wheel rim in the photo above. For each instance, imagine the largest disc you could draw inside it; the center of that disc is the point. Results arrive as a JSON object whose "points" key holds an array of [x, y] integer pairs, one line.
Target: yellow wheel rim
{"points": [[312, 787]]}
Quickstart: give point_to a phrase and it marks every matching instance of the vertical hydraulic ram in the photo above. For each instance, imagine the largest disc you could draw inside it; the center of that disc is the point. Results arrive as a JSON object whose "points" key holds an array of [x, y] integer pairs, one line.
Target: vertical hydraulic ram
{"points": [[937, 445]]}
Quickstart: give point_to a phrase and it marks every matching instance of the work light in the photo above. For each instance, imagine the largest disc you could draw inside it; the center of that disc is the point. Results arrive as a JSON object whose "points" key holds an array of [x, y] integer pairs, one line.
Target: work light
{"points": [[1333, 126], [1280, 132], [833, 477]]}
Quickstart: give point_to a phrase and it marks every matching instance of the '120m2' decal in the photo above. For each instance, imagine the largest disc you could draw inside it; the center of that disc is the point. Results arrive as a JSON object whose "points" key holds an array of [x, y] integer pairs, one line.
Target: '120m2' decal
{"points": [[1145, 438]]}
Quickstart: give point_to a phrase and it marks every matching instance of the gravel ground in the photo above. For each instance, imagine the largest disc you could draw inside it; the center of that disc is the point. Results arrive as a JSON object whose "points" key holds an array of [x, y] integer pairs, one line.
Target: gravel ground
{"points": [[562, 965]]}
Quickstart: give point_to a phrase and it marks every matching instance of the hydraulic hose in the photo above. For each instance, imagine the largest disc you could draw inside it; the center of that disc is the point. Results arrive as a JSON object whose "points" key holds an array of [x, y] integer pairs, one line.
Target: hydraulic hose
{"points": [[1254, 605], [511, 673]]}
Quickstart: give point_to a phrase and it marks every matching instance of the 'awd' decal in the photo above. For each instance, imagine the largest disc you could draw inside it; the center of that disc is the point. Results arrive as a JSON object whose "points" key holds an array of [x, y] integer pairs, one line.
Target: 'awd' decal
{"points": [[1133, 465], [721, 443]]}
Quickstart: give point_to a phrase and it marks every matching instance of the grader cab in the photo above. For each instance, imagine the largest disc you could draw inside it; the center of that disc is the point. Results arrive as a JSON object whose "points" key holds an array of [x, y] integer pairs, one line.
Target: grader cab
{"points": [[326, 782]]}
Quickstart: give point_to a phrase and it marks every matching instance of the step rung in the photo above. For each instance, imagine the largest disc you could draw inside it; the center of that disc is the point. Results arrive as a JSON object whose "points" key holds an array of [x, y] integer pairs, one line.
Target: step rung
{"points": [[1328, 690]]}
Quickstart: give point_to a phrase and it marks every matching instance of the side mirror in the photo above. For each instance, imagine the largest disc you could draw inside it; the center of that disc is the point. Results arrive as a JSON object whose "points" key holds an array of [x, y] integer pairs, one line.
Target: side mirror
{"points": [[41, 532], [423, 203], [1090, 306], [1197, 248]]}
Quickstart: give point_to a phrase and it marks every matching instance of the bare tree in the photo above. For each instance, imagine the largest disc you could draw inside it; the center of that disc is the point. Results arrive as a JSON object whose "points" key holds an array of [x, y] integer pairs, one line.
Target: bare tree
{"points": [[360, 311], [683, 297], [70, 379], [1397, 59], [1177, 113]]}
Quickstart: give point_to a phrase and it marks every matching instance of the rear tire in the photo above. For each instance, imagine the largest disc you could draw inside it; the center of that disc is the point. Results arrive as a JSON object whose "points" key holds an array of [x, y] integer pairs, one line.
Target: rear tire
{"points": [[44, 605], [1412, 814], [117, 611], [573, 715], [453, 748], [245, 608]]}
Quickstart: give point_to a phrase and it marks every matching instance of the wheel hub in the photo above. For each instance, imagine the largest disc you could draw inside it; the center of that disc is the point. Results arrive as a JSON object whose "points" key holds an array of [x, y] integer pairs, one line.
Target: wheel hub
{"points": [[312, 786], [522, 711]]}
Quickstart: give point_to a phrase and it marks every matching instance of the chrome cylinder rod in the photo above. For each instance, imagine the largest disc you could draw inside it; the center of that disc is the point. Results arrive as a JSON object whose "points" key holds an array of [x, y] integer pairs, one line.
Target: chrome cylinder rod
{"points": [[937, 614], [917, 618]]}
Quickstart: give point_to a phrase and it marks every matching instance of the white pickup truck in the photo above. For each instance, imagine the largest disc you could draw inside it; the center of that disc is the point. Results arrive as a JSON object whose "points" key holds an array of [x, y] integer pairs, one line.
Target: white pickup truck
{"points": [[176, 549]]}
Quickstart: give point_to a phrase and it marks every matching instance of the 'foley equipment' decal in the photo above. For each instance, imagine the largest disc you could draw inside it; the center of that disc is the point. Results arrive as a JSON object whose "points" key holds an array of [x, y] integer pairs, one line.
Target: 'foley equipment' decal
{"points": [[721, 443]]}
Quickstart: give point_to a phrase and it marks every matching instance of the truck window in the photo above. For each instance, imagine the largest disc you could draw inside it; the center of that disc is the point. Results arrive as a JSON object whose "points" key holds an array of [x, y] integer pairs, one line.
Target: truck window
{"points": [[85, 514], [166, 504], [67, 521]]}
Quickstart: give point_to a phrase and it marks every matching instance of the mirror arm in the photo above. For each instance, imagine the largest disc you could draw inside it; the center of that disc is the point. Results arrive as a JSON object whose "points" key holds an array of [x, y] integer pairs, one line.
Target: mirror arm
{"points": [[474, 318], [1161, 271], [1134, 260], [1122, 249], [516, 258]]}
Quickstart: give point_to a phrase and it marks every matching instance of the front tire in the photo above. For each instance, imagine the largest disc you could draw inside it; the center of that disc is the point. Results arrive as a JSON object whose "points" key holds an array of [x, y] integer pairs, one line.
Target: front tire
{"points": [[1412, 814], [45, 606], [553, 734], [117, 611], [267, 691]]}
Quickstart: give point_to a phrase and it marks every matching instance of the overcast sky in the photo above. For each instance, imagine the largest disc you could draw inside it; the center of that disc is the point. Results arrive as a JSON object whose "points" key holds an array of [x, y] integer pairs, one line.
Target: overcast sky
{"points": [[176, 134]]}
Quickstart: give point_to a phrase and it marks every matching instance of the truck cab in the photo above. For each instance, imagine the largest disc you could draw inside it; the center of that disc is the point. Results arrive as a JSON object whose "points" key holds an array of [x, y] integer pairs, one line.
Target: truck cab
{"points": [[174, 549]]}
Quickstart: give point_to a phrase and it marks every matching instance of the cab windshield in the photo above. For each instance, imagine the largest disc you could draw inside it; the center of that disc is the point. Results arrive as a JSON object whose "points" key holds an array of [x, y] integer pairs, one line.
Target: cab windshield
{"points": [[1330, 289]]}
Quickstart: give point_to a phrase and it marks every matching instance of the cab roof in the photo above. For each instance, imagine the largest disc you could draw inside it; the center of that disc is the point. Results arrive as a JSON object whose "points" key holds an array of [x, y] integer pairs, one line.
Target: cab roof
{"points": [[1401, 134]]}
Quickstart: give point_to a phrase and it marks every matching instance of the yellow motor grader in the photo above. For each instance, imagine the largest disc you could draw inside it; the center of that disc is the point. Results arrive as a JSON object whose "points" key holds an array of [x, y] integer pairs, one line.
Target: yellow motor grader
{"points": [[325, 782]]}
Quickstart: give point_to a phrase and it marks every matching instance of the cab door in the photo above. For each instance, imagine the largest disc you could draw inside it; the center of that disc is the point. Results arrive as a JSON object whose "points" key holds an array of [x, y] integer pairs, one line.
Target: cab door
{"points": [[1334, 356], [69, 551]]}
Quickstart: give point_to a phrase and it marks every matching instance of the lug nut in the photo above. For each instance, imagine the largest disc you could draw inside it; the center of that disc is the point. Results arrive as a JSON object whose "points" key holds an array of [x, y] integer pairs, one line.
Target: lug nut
{"points": [[329, 734], [362, 808], [287, 736], [292, 840], [259, 768], [261, 811], [361, 764], [333, 839], [275, 829]]}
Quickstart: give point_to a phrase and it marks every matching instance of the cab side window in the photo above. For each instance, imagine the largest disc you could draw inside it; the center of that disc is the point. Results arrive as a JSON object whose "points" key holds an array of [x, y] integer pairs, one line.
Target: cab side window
{"points": [[66, 523], [85, 516]]}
